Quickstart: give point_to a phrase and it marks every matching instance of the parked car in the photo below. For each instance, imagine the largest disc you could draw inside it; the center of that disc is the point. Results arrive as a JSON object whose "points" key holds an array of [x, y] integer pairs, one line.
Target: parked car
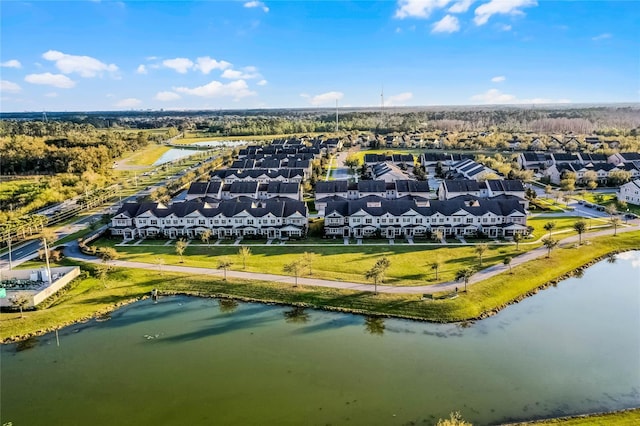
{"points": [[631, 216]]}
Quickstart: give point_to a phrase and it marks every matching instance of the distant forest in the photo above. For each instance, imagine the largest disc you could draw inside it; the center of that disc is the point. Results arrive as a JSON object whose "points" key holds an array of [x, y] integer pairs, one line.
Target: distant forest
{"points": [[601, 120]]}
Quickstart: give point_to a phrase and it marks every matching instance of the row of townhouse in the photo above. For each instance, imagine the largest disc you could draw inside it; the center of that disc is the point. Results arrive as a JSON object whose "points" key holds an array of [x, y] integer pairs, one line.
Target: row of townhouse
{"points": [[275, 218], [490, 188], [467, 215], [630, 192], [431, 161], [217, 190], [469, 169], [539, 161], [259, 175], [603, 171], [327, 191], [406, 161]]}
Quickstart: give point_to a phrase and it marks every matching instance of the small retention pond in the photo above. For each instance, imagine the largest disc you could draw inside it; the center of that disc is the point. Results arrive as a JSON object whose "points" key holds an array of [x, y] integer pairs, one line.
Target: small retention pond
{"points": [[570, 349]]}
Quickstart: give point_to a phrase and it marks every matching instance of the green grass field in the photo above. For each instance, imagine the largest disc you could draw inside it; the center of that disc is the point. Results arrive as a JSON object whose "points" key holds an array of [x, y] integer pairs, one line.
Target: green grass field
{"points": [[147, 156], [410, 265]]}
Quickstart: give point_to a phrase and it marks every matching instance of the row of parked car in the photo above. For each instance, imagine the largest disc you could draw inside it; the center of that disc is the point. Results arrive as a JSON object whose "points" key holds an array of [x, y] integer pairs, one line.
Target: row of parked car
{"points": [[600, 208]]}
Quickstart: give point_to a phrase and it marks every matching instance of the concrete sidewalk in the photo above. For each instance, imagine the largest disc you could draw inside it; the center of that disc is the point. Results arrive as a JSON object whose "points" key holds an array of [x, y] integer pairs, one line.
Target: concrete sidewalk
{"points": [[73, 252]]}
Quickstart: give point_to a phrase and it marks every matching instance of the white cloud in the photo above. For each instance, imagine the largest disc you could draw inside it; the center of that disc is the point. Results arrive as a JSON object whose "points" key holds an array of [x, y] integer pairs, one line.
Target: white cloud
{"points": [[498, 79], [166, 96], [128, 103], [461, 6], [418, 8], [603, 36], [48, 79], [236, 89], [142, 69], [9, 87], [86, 66], [206, 64], [254, 3], [12, 63], [505, 27], [399, 99], [262, 83], [494, 96], [51, 95], [324, 98], [503, 7], [181, 65], [247, 73], [448, 24]]}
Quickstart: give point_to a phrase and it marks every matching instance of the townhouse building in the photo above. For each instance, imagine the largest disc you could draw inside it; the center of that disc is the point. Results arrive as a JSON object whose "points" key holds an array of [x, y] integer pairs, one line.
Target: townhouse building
{"points": [[274, 218], [401, 218]]}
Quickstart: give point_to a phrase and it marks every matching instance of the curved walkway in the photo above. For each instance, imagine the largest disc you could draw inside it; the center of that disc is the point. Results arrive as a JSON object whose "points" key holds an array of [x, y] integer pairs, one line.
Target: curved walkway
{"points": [[73, 252]]}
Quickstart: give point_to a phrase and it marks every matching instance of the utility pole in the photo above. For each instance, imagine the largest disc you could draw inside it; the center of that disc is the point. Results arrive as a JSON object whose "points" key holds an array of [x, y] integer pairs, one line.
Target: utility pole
{"points": [[10, 238], [382, 106]]}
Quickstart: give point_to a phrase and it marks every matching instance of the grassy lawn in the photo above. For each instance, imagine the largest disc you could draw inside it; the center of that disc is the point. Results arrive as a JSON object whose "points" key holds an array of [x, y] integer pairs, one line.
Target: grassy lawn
{"points": [[87, 296], [608, 198], [410, 264], [562, 223], [622, 418], [147, 156]]}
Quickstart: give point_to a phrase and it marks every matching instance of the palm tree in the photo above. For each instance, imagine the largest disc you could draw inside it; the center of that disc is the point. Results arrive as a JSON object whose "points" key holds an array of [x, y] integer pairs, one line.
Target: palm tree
{"points": [[307, 259], [224, 264], [181, 246], [549, 226], [615, 221], [159, 261], [20, 301], [464, 274], [435, 265], [376, 273], [580, 226], [206, 236], [517, 237], [294, 268], [481, 249], [507, 262], [244, 253], [550, 244]]}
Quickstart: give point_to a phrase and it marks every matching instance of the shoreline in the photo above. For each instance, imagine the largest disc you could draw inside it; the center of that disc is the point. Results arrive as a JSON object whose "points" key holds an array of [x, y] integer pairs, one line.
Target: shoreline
{"points": [[217, 295]]}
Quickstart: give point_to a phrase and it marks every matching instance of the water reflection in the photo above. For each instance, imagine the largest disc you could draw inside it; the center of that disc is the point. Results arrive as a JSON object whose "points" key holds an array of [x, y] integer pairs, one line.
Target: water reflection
{"points": [[611, 258], [296, 315], [374, 325], [24, 345], [228, 306]]}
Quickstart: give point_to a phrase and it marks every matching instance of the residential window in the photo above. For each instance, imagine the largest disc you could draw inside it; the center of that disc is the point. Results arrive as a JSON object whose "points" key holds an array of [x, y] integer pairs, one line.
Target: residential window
{"points": [[441, 219], [154, 222], [368, 220], [469, 220]]}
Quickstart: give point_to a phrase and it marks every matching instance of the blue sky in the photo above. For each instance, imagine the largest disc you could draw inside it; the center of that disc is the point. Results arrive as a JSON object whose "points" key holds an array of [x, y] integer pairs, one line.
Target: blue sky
{"points": [[108, 55]]}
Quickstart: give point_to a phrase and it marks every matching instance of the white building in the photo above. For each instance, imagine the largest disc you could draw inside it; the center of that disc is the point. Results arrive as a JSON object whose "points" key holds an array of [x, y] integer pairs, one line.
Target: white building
{"points": [[630, 192], [274, 218]]}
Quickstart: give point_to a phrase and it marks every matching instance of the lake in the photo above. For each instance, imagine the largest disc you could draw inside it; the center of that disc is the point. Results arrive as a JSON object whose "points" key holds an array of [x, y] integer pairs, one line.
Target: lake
{"points": [[570, 349]]}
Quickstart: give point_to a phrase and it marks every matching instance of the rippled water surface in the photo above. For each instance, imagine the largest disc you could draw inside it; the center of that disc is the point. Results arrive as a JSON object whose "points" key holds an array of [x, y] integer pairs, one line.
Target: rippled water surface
{"points": [[574, 348]]}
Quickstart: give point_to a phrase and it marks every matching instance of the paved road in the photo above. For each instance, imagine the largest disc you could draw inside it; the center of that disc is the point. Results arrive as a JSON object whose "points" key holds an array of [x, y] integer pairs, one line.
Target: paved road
{"points": [[73, 252]]}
